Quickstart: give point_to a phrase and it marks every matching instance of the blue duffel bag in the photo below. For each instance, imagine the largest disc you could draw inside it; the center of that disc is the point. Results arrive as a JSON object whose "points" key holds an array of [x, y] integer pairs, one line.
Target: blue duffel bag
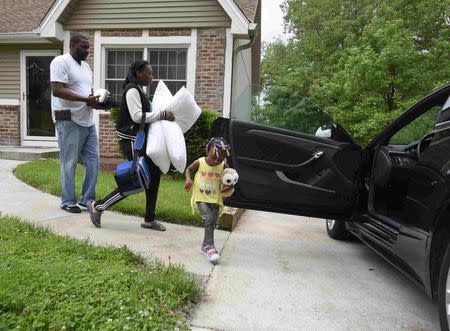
{"points": [[133, 176], [131, 182]]}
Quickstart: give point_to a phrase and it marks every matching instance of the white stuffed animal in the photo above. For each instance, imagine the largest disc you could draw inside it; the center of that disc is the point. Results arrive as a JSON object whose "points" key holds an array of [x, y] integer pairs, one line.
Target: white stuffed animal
{"points": [[229, 178]]}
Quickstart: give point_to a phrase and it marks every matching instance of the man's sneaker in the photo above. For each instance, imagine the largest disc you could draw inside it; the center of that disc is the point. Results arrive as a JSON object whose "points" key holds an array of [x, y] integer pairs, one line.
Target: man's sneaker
{"points": [[82, 204], [73, 209], [210, 252], [95, 214]]}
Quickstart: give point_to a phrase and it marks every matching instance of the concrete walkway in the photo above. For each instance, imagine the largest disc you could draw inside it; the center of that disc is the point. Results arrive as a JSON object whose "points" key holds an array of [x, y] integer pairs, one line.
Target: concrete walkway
{"points": [[178, 244], [282, 272]]}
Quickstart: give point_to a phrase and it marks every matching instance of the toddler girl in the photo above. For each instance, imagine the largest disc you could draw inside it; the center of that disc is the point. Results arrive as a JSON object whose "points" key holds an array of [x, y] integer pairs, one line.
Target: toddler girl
{"points": [[207, 190]]}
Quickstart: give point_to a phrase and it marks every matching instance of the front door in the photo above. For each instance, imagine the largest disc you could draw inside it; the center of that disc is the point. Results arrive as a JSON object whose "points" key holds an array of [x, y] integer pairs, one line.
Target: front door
{"points": [[37, 127]]}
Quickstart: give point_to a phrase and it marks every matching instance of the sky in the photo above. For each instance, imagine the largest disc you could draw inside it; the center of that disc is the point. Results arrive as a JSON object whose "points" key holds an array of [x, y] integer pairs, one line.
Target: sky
{"points": [[272, 20]]}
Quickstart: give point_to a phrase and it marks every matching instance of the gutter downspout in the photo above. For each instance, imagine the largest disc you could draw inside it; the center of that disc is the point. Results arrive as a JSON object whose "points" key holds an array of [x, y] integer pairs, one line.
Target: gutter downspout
{"points": [[252, 33]]}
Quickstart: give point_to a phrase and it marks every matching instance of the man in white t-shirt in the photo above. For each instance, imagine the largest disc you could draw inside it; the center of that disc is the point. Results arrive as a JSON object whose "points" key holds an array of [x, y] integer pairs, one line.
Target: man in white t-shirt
{"points": [[72, 107]]}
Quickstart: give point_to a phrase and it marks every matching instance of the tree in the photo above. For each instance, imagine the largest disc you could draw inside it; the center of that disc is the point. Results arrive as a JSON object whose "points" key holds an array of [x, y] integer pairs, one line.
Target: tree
{"points": [[362, 61]]}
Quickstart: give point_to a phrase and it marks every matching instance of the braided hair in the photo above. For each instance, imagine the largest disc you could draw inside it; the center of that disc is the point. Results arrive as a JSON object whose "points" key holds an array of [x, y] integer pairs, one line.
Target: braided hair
{"points": [[219, 145], [136, 66]]}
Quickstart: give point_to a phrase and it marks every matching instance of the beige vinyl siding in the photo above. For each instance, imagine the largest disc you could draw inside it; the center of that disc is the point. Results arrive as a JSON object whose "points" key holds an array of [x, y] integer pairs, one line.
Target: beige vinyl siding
{"points": [[144, 14], [9, 73], [10, 68]]}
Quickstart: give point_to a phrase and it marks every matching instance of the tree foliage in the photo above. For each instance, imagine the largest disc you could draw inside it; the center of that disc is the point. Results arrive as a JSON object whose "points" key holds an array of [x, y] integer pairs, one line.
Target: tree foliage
{"points": [[362, 61]]}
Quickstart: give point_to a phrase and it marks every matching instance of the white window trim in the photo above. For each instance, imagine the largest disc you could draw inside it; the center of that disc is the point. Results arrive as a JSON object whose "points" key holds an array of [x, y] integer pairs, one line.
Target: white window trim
{"points": [[189, 42], [239, 22], [228, 74]]}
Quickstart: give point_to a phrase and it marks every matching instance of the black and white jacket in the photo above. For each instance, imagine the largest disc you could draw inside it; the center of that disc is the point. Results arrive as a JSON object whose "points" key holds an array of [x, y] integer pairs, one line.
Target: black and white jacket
{"points": [[134, 100]]}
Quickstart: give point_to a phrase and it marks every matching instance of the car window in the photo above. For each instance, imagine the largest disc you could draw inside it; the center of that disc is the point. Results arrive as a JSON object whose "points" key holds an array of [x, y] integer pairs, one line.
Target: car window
{"points": [[418, 128], [280, 108]]}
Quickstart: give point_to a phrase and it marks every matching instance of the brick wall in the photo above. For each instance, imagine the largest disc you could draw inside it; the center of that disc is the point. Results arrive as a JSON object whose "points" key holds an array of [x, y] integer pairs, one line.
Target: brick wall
{"points": [[9, 125], [108, 140], [122, 33], [169, 32], [209, 84]]}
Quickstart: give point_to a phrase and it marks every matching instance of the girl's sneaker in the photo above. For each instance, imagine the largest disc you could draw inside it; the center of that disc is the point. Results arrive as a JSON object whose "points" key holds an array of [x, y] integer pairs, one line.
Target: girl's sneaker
{"points": [[210, 252]]}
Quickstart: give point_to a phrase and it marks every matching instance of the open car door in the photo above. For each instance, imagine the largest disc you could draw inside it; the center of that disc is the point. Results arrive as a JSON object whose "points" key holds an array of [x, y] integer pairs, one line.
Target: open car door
{"points": [[287, 171]]}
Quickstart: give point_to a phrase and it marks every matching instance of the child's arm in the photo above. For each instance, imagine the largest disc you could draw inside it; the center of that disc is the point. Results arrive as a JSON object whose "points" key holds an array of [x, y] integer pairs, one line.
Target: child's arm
{"points": [[226, 188], [188, 174]]}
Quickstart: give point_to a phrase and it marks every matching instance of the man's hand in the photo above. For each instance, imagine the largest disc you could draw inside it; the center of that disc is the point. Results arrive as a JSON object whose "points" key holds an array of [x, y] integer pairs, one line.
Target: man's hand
{"points": [[188, 185], [92, 101], [169, 116]]}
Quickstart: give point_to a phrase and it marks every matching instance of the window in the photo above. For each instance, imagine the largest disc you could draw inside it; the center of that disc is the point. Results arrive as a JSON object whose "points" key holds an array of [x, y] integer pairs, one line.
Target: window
{"points": [[117, 64], [168, 65], [280, 108], [418, 128]]}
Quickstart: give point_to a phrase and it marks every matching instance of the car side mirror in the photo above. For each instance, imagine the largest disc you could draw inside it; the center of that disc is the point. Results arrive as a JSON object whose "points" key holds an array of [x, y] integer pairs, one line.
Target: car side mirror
{"points": [[324, 131]]}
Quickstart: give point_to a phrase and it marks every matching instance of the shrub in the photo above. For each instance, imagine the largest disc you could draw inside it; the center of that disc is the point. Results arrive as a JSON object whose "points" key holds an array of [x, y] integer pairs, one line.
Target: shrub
{"points": [[197, 137], [114, 114]]}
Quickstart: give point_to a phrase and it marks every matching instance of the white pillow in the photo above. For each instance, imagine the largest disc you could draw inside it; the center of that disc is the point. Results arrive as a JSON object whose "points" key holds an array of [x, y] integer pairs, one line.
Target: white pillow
{"points": [[156, 147], [162, 97], [185, 109], [176, 146], [156, 144]]}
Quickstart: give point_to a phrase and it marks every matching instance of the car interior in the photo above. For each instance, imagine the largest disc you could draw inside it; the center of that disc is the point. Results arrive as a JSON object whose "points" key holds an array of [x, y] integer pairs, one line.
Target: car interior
{"points": [[394, 177]]}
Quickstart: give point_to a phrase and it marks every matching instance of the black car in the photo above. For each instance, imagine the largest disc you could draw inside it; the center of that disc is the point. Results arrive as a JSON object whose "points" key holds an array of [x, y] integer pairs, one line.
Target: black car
{"points": [[393, 195]]}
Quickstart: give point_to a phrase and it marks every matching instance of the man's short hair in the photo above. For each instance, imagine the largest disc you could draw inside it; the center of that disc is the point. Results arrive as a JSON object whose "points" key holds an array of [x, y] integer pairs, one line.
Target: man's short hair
{"points": [[77, 38]]}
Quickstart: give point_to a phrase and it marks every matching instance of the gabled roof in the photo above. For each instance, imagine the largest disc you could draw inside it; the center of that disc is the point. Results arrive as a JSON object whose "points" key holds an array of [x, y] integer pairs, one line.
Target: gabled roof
{"points": [[19, 16], [248, 7], [23, 15]]}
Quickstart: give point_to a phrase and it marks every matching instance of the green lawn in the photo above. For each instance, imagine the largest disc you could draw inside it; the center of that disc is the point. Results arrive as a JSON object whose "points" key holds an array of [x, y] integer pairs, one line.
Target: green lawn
{"points": [[173, 203], [52, 282]]}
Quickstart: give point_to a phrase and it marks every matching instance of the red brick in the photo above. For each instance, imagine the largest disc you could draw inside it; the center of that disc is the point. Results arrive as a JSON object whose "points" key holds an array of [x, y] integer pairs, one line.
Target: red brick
{"points": [[9, 131], [122, 33], [169, 32], [108, 139]]}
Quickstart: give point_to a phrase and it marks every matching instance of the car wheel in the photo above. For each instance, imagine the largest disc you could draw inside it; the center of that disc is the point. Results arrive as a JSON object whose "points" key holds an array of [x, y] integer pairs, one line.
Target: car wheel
{"points": [[336, 229], [444, 291]]}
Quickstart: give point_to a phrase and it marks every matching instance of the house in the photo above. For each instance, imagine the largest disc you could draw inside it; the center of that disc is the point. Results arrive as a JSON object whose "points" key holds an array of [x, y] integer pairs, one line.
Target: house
{"points": [[210, 46]]}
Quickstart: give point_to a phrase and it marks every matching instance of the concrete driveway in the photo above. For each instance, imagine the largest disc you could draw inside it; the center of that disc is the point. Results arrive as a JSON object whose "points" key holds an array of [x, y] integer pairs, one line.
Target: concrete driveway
{"points": [[277, 272], [280, 272]]}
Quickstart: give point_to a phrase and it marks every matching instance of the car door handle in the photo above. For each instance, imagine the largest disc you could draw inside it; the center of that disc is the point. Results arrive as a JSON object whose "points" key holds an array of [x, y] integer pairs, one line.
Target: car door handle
{"points": [[316, 155]]}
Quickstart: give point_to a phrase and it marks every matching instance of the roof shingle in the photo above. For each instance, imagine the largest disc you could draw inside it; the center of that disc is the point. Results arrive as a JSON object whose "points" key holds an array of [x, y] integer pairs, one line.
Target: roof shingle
{"points": [[248, 7], [23, 15]]}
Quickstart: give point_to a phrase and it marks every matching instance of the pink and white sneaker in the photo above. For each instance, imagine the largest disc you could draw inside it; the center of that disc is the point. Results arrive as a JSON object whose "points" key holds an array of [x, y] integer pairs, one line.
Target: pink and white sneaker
{"points": [[210, 252]]}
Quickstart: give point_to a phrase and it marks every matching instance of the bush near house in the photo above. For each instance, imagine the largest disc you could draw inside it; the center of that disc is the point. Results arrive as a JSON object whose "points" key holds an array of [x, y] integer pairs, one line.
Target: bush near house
{"points": [[49, 282], [197, 136]]}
